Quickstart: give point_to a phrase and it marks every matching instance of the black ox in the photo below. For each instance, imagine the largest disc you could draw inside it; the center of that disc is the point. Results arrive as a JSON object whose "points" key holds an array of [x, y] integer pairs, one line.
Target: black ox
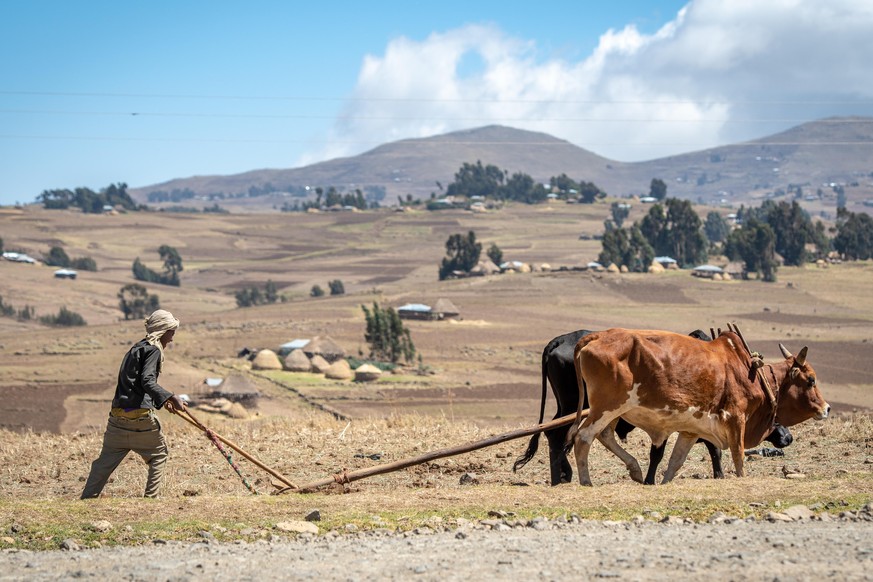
{"points": [[559, 371]]}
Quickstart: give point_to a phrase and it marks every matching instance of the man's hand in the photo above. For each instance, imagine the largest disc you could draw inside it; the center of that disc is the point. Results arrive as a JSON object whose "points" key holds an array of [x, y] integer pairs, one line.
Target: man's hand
{"points": [[174, 404]]}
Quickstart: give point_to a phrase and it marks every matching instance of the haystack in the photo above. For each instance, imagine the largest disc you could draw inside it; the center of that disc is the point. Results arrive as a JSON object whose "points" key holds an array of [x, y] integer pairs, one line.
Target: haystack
{"points": [[237, 411], [266, 360], [656, 267], [613, 268], [367, 373], [486, 267], [624, 269], [319, 364], [339, 370], [325, 347], [297, 361]]}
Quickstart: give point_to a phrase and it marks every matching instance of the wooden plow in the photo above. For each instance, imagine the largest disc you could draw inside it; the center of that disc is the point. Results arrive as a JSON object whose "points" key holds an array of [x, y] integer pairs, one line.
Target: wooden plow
{"points": [[343, 477]]}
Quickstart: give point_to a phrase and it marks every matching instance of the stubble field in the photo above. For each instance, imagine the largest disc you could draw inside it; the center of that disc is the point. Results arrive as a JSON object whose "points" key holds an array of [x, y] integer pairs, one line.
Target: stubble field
{"points": [[482, 372]]}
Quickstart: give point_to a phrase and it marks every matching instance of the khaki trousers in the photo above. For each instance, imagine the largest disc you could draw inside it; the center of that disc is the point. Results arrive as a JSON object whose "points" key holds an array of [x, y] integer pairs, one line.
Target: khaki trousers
{"points": [[144, 437]]}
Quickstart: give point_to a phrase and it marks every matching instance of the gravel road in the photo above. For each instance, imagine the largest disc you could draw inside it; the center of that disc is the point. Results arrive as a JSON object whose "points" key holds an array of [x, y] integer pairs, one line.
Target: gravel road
{"points": [[541, 550]]}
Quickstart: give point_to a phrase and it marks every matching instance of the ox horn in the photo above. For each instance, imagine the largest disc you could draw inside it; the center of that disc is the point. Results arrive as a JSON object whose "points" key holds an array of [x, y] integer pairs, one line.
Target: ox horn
{"points": [[801, 357], [785, 352]]}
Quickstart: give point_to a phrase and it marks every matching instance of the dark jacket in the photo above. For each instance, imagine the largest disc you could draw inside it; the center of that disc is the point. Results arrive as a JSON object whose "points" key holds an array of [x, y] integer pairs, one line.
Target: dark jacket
{"points": [[138, 379]]}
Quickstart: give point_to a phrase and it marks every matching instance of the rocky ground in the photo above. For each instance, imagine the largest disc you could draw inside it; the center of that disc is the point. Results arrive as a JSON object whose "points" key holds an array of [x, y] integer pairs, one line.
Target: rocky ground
{"points": [[795, 544]]}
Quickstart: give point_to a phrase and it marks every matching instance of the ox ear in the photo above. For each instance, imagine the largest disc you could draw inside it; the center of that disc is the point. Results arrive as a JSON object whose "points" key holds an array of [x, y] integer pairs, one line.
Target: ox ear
{"points": [[785, 352], [801, 357]]}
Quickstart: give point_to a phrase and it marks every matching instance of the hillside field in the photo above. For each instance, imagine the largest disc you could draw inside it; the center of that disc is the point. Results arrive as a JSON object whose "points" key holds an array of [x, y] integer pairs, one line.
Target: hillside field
{"points": [[478, 376]]}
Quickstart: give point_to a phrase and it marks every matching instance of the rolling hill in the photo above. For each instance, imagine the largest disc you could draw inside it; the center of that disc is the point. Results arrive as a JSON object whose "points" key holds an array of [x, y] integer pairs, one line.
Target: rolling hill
{"points": [[834, 150]]}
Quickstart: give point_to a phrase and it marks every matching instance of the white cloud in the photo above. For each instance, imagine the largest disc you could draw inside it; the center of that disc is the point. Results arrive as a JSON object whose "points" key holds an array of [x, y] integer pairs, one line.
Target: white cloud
{"points": [[719, 72]]}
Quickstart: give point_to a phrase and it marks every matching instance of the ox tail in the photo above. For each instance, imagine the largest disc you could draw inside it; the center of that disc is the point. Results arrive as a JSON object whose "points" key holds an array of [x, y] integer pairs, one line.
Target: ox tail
{"points": [[534, 444]]}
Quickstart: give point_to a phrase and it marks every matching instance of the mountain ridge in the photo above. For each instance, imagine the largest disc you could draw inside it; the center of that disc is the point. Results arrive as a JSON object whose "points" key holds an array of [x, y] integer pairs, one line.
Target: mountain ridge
{"points": [[838, 150]]}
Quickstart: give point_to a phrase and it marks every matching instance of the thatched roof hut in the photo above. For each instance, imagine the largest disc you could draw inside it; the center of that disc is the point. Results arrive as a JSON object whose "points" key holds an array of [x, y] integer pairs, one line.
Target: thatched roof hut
{"points": [[236, 388], [445, 309], [367, 373], [325, 347]]}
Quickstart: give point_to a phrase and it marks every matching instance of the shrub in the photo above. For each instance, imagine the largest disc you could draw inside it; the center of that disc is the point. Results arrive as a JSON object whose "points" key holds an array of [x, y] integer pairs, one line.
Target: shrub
{"points": [[136, 302], [57, 257], [65, 318], [84, 264]]}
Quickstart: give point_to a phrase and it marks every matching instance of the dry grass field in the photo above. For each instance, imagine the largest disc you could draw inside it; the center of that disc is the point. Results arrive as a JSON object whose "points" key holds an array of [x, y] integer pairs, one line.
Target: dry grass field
{"points": [[483, 371]]}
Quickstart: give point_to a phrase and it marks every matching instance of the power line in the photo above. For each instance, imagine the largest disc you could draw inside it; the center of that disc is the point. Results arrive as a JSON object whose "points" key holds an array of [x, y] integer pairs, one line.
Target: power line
{"points": [[305, 98], [422, 118], [422, 142]]}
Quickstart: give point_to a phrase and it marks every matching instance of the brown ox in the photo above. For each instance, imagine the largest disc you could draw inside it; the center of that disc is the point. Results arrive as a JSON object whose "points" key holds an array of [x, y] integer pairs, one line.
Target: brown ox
{"points": [[666, 382]]}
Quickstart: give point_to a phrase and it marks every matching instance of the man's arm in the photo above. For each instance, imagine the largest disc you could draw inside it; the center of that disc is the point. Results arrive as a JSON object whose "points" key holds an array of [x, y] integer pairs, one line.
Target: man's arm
{"points": [[150, 378]]}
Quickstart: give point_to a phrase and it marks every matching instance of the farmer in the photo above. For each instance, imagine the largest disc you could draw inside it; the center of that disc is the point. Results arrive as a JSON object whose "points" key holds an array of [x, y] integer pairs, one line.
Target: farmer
{"points": [[133, 424]]}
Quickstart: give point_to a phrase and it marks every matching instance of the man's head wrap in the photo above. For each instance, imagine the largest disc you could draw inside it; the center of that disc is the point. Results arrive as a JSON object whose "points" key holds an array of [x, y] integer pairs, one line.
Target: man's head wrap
{"points": [[157, 324]]}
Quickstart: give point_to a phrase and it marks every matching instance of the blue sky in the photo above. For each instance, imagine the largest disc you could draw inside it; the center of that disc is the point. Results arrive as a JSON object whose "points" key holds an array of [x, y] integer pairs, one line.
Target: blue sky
{"points": [[95, 92]]}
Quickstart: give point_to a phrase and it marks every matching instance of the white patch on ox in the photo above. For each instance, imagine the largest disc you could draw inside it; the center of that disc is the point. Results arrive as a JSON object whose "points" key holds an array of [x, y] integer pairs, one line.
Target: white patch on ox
{"points": [[660, 423]]}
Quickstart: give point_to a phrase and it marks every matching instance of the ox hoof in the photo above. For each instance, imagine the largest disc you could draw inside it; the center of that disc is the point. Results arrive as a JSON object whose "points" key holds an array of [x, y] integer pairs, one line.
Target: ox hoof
{"points": [[636, 474]]}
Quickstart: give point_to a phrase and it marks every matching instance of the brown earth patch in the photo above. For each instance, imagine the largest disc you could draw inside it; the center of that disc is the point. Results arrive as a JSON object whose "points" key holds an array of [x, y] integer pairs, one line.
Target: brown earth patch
{"points": [[39, 408], [648, 291], [786, 318]]}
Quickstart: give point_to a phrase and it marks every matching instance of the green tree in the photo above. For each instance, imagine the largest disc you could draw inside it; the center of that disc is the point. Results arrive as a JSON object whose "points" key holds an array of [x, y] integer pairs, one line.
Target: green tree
{"points": [[619, 211], [57, 257], [854, 239], [793, 230], [563, 184], [755, 245], [522, 188], [6, 309], [476, 180], [271, 295], [715, 227], [628, 247], [83, 264], [495, 254], [252, 295], [589, 192], [841, 196], [388, 338], [172, 264], [462, 254], [336, 287], [658, 189], [136, 302], [1, 244], [143, 273], [820, 238], [316, 291], [676, 233]]}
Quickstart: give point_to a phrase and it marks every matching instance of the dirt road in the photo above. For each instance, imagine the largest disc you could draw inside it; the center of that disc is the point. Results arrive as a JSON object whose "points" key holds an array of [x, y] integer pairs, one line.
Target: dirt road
{"points": [[542, 550]]}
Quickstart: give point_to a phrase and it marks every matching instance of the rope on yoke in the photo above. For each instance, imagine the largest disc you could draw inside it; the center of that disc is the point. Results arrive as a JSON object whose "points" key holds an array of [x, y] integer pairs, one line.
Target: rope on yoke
{"points": [[214, 438], [756, 364]]}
